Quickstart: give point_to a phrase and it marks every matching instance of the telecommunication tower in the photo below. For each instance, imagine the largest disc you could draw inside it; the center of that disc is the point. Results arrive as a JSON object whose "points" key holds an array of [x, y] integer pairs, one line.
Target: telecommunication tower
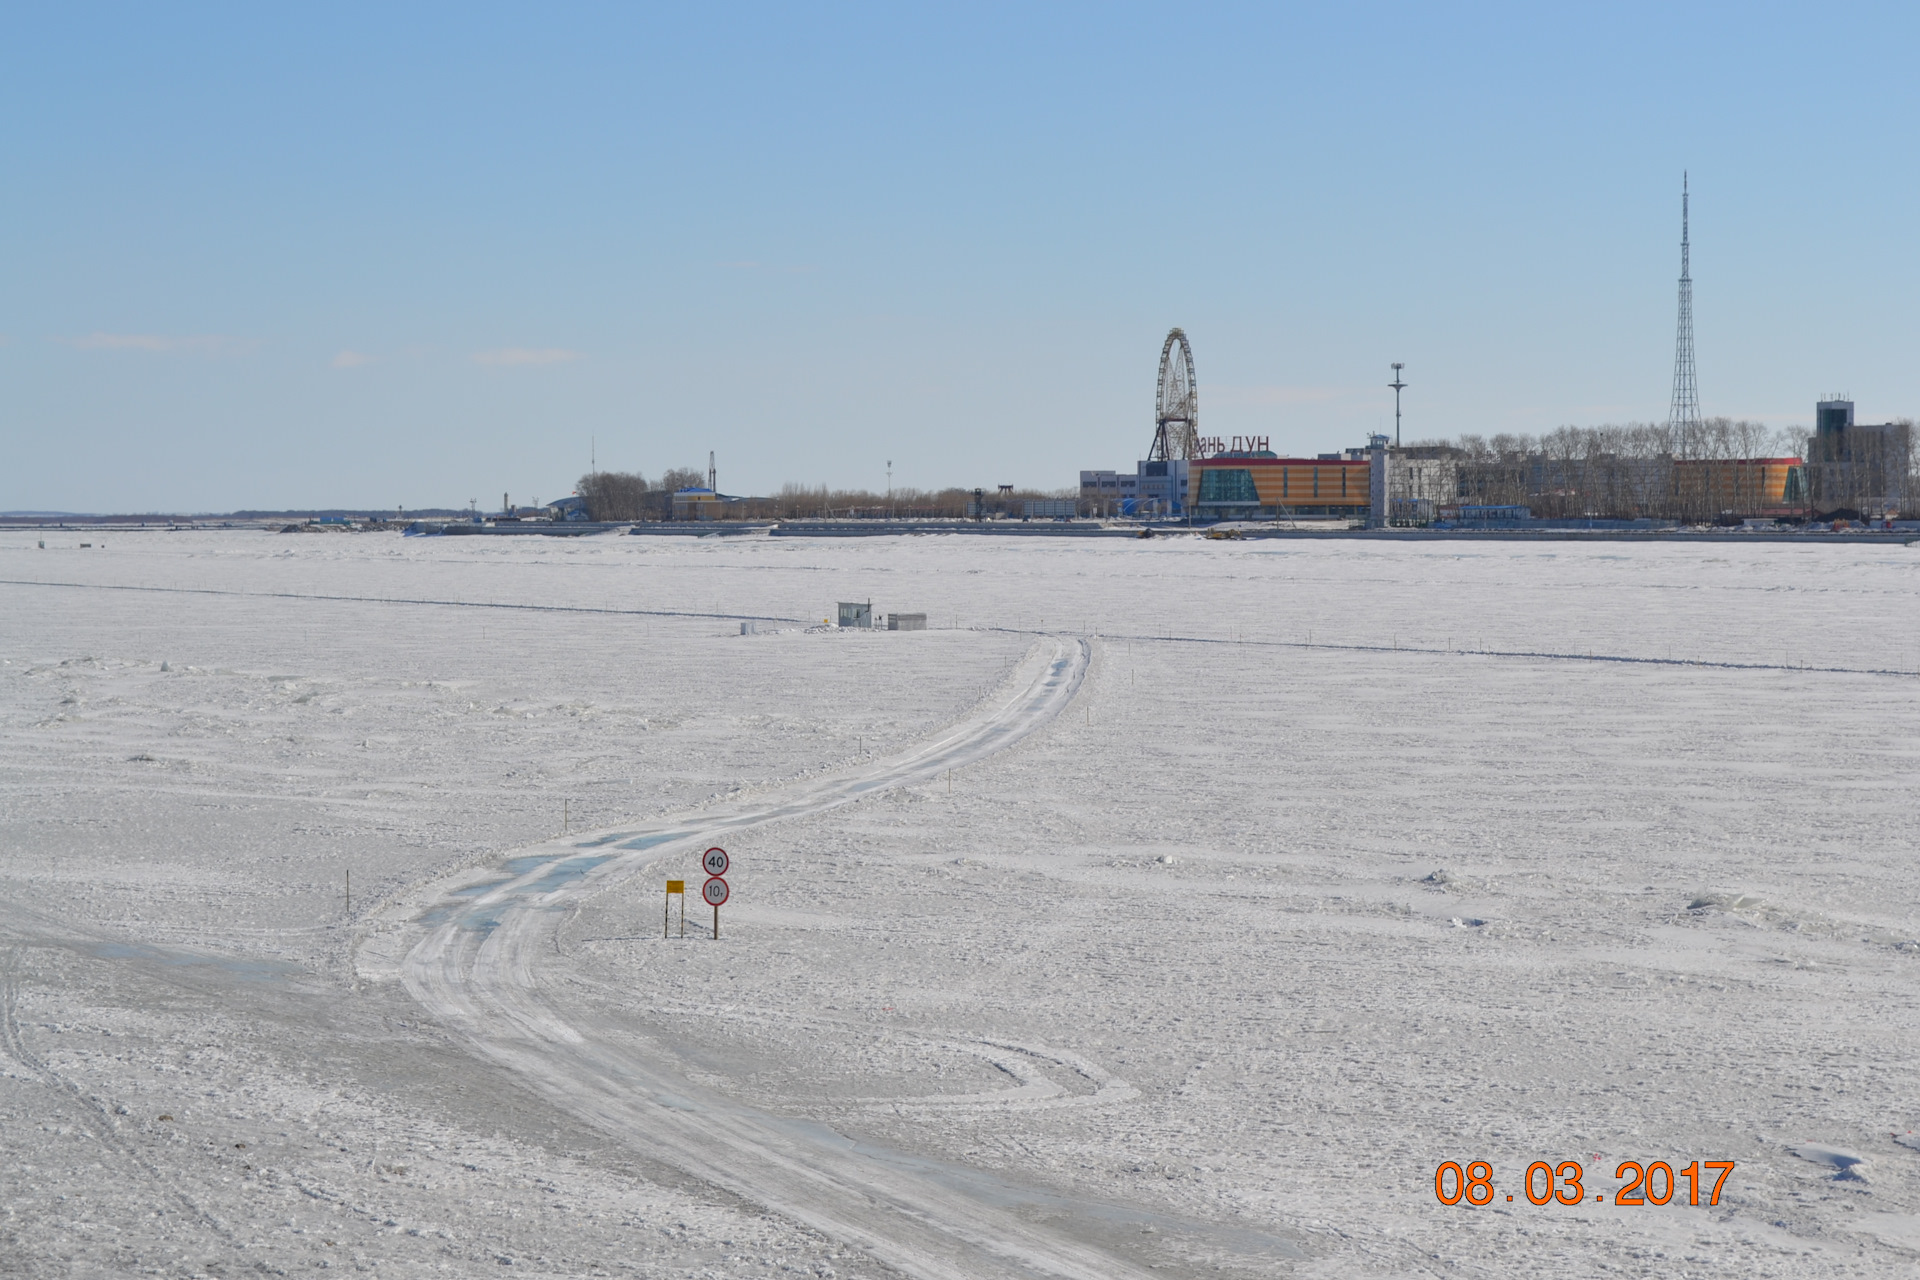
{"points": [[1176, 403], [1684, 413]]}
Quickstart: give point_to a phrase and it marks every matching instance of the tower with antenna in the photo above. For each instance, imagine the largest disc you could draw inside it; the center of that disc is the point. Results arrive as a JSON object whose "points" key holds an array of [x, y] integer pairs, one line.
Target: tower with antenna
{"points": [[1683, 415]]}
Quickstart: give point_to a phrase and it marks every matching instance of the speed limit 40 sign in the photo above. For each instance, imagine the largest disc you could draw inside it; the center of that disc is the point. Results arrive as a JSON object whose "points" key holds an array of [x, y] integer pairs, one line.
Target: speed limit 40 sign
{"points": [[715, 890]]}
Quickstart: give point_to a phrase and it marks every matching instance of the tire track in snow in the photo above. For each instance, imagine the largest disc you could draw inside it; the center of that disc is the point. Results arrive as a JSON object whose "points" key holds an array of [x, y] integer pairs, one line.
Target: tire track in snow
{"points": [[86, 1107], [477, 970], [1035, 1088]]}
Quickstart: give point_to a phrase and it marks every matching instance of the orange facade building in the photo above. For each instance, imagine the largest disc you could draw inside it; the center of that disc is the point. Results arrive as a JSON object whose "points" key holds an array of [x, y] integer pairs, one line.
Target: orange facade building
{"points": [[1739, 486], [1231, 486]]}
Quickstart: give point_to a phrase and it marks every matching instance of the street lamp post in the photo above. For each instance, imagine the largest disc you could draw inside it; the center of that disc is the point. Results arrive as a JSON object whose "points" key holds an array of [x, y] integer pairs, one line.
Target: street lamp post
{"points": [[1397, 386]]}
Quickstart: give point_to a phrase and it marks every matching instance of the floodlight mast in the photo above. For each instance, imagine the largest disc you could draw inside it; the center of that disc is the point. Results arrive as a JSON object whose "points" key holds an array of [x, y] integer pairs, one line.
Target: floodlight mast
{"points": [[1397, 386]]}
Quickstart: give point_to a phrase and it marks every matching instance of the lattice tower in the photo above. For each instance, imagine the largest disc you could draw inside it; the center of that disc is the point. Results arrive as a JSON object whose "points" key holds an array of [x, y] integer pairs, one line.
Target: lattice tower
{"points": [[1683, 415]]}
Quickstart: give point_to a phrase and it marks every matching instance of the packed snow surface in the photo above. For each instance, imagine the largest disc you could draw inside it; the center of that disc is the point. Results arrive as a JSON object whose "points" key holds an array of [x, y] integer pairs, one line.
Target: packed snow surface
{"points": [[1169, 908]]}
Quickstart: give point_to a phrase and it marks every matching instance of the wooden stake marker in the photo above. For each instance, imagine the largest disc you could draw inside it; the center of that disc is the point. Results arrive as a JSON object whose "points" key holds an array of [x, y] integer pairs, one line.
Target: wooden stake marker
{"points": [[666, 910]]}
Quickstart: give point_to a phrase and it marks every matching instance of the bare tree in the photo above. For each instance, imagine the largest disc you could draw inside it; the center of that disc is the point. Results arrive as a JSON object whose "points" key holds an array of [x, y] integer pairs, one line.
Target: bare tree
{"points": [[674, 479], [1713, 470], [615, 495]]}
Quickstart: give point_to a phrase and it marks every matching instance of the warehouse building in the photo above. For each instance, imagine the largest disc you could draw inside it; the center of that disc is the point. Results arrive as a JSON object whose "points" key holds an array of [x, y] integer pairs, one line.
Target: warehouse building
{"points": [[1154, 488]]}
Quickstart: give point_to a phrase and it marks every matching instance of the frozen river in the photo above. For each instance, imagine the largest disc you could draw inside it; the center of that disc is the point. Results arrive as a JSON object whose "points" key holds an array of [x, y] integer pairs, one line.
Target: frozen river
{"points": [[1169, 908]]}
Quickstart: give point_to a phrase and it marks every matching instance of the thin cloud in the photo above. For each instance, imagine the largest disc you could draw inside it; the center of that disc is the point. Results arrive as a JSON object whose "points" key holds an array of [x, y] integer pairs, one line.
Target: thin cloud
{"points": [[200, 344], [510, 356], [351, 360]]}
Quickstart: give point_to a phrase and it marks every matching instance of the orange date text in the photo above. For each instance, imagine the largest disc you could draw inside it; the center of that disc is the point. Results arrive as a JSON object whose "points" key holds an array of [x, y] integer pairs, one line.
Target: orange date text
{"points": [[1655, 1182]]}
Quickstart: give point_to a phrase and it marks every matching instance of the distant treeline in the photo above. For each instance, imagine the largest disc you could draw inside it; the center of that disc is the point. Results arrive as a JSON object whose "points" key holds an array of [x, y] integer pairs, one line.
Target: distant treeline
{"points": [[631, 495], [1646, 469], [628, 495], [367, 514], [1713, 438], [352, 513]]}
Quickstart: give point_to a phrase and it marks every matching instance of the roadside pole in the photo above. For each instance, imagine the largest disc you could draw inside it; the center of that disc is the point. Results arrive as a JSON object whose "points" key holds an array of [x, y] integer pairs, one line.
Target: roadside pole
{"points": [[666, 908], [715, 890]]}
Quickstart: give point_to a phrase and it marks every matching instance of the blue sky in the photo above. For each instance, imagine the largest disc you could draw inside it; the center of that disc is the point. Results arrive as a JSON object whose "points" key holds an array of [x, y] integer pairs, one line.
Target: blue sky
{"points": [[414, 254]]}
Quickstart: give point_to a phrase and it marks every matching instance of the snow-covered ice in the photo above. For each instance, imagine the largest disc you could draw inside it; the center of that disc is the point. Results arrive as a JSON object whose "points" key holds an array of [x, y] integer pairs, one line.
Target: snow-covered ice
{"points": [[1267, 876]]}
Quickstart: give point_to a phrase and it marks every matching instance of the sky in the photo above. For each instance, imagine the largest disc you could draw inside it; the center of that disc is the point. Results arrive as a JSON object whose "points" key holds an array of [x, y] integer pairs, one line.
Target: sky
{"points": [[409, 255]]}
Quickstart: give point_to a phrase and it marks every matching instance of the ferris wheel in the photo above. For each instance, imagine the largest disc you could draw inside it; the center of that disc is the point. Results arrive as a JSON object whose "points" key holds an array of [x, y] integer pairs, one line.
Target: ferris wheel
{"points": [[1176, 406]]}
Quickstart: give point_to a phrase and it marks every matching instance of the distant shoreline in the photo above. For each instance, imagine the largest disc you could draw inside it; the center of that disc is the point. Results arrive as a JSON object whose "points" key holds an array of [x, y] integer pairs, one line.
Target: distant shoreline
{"points": [[458, 524]]}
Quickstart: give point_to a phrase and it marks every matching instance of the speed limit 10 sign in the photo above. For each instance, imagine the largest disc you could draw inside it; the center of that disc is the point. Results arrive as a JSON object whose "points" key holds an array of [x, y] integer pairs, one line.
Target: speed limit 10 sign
{"points": [[716, 861], [714, 891]]}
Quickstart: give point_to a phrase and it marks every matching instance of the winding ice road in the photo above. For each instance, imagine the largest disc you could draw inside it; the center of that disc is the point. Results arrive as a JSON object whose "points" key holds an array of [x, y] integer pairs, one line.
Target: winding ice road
{"points": [[476, 966]]}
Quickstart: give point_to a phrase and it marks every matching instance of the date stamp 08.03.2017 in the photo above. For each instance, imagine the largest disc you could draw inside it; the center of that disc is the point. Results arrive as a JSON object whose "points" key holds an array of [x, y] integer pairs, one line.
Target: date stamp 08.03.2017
{"points": [[1642, 1184]]}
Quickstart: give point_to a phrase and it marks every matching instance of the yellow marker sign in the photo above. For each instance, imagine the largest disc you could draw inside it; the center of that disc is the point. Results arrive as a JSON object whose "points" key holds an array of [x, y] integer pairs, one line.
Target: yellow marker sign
{"points": [[666, 907]]}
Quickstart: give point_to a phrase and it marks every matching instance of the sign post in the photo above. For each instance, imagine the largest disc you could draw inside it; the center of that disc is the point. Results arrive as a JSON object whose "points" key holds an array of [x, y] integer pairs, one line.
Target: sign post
{"points": [[666, 908], [715, 892]]}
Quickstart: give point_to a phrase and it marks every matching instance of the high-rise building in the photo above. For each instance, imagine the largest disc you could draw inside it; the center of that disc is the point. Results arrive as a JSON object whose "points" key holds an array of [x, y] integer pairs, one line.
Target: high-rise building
{"points": [[1859, 467]]}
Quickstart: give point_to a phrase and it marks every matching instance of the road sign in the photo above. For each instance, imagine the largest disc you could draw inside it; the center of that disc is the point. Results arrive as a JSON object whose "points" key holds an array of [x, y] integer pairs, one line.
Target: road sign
{"points": [[716, 861], [666, 907], [714, 891]]}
